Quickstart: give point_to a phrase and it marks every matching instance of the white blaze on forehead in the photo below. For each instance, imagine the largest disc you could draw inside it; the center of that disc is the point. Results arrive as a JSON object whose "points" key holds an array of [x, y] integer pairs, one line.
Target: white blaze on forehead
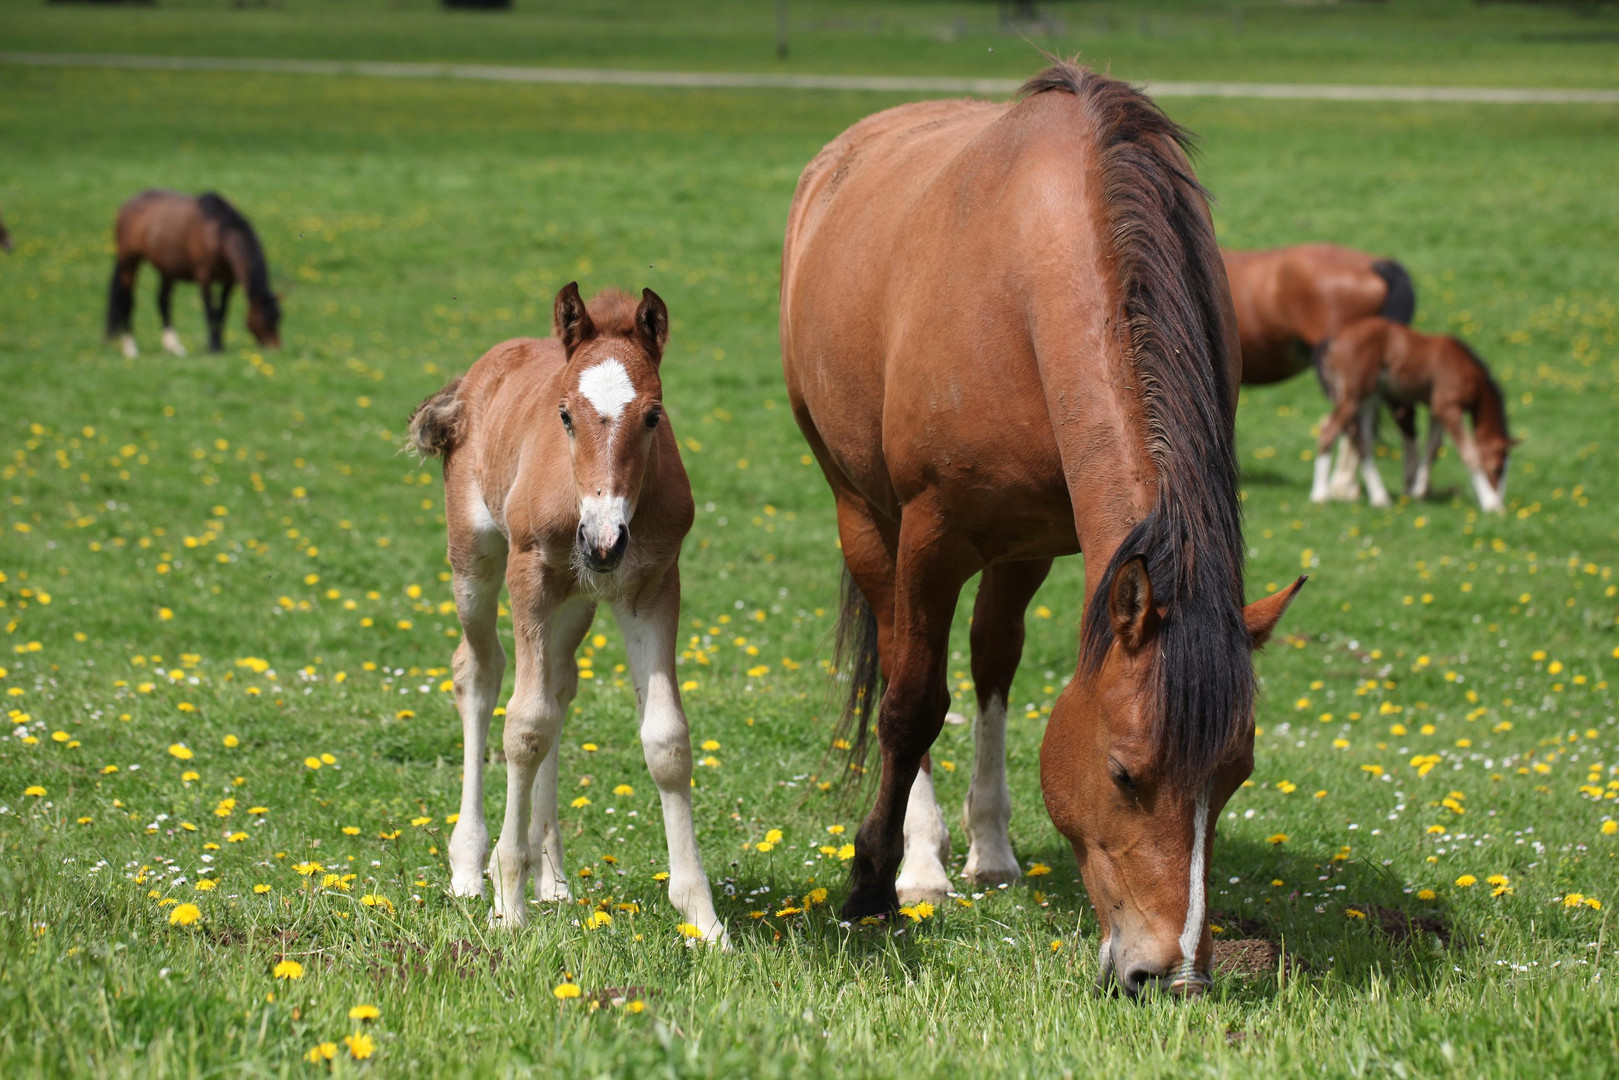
{"points": [[608, 388], [1195, 901]]}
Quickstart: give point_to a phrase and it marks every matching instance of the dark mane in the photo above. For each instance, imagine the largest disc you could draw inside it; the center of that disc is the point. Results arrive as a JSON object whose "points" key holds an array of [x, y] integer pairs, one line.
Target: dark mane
{"points": [[231, 222], [613, 312], [1500, 399], [1172, 280]]}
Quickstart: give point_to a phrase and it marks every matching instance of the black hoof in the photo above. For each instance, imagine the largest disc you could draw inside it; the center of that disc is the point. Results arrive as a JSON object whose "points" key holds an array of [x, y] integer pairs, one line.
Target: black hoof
{"points": [[866, 901]]}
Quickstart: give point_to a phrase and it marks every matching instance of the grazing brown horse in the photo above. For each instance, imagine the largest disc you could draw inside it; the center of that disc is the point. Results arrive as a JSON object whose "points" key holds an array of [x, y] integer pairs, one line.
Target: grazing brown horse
{"points": [[1377, 359], [1007, 337], [562, 478], [5, 238], [203, 239], [1289, 300]]}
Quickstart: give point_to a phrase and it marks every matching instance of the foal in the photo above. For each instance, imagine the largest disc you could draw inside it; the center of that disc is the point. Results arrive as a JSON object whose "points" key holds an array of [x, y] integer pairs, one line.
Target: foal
{"points": [[588, 503], [203, 239], [1377, 358]]}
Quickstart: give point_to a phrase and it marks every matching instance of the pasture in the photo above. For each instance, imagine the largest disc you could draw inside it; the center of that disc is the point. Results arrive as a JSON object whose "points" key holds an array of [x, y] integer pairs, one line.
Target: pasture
{"points": [[227, 625]]}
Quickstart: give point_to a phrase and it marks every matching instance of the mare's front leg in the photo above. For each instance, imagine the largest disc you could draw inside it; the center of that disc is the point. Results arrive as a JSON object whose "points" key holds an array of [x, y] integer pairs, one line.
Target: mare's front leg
{"points": [[165, 307], [931, 568], [478, 561], [997, 648], [548, 624], [650, 619]]}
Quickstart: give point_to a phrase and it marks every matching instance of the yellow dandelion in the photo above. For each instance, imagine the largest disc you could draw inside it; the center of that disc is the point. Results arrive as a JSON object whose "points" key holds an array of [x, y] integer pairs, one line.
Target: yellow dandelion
{"points": [[565, 991], [364, 1012], [1466, 881], [34, 790], [184, 915], [320, 1052], [361, 1045], [288, 969], [181, 751]]}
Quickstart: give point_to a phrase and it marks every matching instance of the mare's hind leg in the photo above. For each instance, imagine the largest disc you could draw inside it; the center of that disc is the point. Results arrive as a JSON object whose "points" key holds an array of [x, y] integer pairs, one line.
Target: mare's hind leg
{"points": [[548, 624], [650, 625], [1337, 421], [165, 307], [478, 559], [997, 648], [931, 568], [214, 313], [1366, 432]]}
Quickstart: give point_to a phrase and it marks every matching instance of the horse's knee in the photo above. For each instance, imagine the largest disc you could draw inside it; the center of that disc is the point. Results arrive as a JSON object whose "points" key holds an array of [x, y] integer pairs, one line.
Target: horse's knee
{"points": [[476, 668], [666, 742], [529, 735]]}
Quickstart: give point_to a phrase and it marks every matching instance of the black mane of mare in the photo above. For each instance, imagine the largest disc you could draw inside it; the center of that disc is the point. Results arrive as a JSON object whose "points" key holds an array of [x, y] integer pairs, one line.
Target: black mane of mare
{"points": [[1172, 280], [231, 222]]}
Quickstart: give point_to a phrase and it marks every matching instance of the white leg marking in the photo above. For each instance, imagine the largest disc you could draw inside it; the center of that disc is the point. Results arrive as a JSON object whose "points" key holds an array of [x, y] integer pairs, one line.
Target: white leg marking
{"points": [[545, 834], [131, 350], [1488, 498], [1320, 490], [987, 813], [171, 341], [1195, 899], [1376, 493], [927, 845], [1343, 486], [649, 638]]}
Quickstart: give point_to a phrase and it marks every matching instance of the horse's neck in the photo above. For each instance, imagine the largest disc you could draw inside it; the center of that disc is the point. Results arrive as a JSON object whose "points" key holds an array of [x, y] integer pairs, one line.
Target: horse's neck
{"points": [[237, 253]]}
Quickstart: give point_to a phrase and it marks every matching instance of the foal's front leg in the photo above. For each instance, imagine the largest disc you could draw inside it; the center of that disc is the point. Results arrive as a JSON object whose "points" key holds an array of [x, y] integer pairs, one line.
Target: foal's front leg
{"points": [[548, 626], [1376, 493], [650, 626]]}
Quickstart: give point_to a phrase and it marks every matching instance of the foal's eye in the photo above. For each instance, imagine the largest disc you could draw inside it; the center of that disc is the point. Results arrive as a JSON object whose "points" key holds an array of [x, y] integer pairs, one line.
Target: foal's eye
{"points": [[653, 417], [1121, 775], [567, 419]]}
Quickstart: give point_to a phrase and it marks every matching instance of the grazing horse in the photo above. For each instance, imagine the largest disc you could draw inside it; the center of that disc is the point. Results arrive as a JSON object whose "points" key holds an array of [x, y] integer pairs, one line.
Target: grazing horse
{"points": [[203, 239], [1289, 300], [1007, 337], [5, 238], [1379, 359], [562, 477]]}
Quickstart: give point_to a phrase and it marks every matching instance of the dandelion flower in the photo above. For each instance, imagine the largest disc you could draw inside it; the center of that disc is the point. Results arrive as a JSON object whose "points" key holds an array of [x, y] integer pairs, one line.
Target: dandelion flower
{"points": [[688, 930], [184, 915], [1038, 870], [361, 1045], [917, 912], [565, 991], [261, 889], [1426, 894], [1278, 838], [321, 1052], [1466, 881], [35, 790], [288, 969], [364, 1012], [181, 751], [598, 919]]}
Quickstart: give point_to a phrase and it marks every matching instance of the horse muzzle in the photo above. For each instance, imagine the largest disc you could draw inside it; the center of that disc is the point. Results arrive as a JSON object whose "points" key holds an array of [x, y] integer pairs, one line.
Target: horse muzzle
{"points": [[602, 550]]}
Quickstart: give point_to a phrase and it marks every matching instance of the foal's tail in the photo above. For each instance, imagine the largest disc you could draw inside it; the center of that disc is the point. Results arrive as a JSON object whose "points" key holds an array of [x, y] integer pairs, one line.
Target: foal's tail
{"points": [[855, 655], [1400, 305], [438, 424], [120, 301]]}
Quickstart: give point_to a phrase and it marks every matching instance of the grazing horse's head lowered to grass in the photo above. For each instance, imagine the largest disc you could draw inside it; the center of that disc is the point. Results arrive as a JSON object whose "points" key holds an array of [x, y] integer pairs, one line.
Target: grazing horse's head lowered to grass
{"points": [[5, 238], [1007, 337]]}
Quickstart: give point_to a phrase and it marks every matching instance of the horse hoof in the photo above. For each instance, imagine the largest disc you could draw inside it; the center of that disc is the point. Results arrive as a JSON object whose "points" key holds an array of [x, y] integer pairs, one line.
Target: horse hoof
{"points": [[868, 903], [990, 876], [467, 887], [923, 893]]}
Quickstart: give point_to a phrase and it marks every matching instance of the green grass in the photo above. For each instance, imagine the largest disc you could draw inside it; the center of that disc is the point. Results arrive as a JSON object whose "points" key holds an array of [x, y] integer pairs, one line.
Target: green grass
{"points": [[1424, 42], [416, 223]]}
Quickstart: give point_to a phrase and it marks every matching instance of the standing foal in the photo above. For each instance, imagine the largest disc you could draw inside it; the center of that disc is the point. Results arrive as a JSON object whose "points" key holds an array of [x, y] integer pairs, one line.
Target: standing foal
{"points": [[1377, 359], [586, 507]]}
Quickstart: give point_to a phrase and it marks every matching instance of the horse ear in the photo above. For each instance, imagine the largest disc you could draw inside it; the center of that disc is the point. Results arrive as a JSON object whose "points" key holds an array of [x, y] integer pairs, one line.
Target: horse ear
{"points": [[572, 324], [1130, 606], [652, 323], [1261, 616]]}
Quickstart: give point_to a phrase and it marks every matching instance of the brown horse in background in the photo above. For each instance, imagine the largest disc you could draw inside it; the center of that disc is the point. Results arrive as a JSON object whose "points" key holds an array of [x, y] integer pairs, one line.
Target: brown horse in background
{"points": [[1289, 300], [563, 479], [5, 238], [203, 239], [1379, 359], [1007, 337]]}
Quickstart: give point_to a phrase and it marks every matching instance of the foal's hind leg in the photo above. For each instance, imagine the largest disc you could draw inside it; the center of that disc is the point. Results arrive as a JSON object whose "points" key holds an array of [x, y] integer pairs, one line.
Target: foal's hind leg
{"points": [[931, 568], [1366, 430], [165, 307], [997, 648], [479, 562]]}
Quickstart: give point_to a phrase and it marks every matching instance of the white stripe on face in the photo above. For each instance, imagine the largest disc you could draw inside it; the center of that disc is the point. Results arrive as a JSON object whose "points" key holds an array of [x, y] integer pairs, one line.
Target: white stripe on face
{"points": [[608, 388], [1193, 933]]}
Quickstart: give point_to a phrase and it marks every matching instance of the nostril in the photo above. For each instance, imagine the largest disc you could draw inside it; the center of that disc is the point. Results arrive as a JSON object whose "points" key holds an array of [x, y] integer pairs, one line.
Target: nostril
{"points": [[1136, 980]]}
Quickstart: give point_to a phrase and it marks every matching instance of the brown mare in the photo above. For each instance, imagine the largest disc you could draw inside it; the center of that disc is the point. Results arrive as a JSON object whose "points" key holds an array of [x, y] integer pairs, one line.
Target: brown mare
{"points": [[1289, 300], [562, 478], [203, 239], [1376, 359], [1007, 337]]}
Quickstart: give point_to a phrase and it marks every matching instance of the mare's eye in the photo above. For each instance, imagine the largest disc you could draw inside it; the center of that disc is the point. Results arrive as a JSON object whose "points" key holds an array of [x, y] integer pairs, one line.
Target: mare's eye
{"points": [[1121, 775], [567, 419], [653, 417]]}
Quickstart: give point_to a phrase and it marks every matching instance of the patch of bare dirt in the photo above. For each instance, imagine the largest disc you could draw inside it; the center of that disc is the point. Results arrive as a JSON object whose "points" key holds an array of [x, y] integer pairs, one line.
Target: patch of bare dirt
{"points": [[1401, 926], [1248, 957]]}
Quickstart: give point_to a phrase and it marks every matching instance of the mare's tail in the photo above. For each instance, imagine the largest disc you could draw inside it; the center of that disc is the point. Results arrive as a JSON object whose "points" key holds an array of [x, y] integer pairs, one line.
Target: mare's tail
{"points": [[120, 303], [855, 655], [1400, 304], [439, 423]]}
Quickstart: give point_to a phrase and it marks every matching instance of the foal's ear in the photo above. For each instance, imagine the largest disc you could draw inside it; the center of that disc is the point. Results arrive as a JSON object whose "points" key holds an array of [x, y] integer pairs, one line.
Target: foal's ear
{"points": [[1130, 607], [1261, 616], [652, 323], [572, 324]]}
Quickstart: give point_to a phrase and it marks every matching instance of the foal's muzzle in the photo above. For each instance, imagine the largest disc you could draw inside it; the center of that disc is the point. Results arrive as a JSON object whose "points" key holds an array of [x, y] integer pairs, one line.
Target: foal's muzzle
{"points": [[599, 557]]}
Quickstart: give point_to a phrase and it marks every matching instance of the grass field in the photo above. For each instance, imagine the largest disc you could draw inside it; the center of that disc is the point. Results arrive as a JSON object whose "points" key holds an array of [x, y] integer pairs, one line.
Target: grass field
{"points": [[220, 571]]}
